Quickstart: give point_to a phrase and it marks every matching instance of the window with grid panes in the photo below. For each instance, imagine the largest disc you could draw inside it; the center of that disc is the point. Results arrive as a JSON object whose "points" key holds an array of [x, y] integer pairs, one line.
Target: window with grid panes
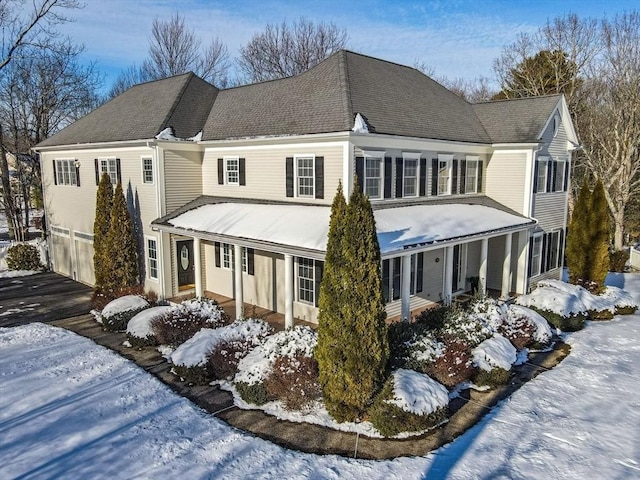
{"points": [[373, 177], [306, 280], [410, 180], [305, 176], [232, 170], [108, 165]]}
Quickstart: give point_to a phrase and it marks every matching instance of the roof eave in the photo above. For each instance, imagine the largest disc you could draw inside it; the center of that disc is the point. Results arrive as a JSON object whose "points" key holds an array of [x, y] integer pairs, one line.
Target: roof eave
{"points": [[87, 146]]}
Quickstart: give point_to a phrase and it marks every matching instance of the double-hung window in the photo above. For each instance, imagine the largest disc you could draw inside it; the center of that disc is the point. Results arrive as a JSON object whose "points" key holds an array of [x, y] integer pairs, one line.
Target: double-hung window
{"points": [[559, 171], [373, 174], [444, 174], [410, 175], [536, 255], [471, 175], [306, 280], [66, 172], [152, 258], [109, 166], [541, 179], [147, 170], [305, 184], [228, 257], [232, 170]]}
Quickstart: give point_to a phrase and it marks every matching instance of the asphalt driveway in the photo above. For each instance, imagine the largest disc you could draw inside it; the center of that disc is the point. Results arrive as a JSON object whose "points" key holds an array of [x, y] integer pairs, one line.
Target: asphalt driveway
{"points": [[43, 297]]}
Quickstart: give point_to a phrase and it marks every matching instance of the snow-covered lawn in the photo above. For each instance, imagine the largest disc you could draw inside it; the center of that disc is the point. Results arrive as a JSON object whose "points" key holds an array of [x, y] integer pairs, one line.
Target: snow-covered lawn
{"points": [[71, 409]]}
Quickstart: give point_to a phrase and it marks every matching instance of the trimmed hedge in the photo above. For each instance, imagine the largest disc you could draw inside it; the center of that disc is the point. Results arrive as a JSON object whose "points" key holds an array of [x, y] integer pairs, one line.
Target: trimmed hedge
{"points": [[572, 323], [119, 321], [497, 376], [197, 375]]}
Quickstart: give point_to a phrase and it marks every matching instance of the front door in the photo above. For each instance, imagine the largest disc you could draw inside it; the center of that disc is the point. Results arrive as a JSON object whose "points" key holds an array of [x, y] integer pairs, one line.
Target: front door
{"points": [[186, 274]]}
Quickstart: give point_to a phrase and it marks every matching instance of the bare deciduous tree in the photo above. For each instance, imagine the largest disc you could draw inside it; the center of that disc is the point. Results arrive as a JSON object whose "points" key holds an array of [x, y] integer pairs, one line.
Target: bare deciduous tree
{"points": [[176, 49], [285, 50]]}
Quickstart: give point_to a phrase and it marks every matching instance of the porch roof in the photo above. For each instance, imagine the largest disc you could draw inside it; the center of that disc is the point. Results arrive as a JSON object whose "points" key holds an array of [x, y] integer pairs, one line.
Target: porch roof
{"points": [[304, 228]]}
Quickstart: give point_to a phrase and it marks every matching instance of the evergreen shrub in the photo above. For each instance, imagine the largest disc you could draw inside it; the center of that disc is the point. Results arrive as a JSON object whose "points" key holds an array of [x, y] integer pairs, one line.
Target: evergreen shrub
{"points": [[493, 378], [572, 323], [185, 320], [118, 322], [193, 374], [402, 339], [391, 420], [23, 256], [254, 393], [629, 310], [294, 381], [433, 318], [618, 260]]}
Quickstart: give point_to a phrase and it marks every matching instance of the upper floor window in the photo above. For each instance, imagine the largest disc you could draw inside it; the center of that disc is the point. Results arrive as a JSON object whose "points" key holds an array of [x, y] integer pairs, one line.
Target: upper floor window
{"points": [[65, 172], [109, 166], [373, 179], [410, 176], [541, 175], [471, 175], [147, 170], [305, 176], [559, 171], [444, 174], [551, 175], [231, 171]]}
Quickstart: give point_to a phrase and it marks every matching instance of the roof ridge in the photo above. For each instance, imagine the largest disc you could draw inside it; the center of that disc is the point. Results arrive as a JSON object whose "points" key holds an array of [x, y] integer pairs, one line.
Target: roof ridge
{"points": [[345, 87], [548, 95], [176, 102]]}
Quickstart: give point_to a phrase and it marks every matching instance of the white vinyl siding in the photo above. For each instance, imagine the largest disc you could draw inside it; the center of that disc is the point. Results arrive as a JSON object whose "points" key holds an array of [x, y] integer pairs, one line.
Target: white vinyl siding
{"points": [[183, 177], [505, 180]]}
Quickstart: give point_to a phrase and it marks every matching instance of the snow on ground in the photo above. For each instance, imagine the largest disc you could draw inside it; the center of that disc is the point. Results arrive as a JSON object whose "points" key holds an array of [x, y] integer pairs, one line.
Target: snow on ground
{"points": [[71, 409]]}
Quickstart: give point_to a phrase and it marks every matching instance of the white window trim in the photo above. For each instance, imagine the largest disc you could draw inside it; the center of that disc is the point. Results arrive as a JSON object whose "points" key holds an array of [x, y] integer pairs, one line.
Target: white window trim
{"points": [[114, 178], [313, 281], [476, 160], [537, 236], [71, 162], [378, 154], [148, 259], [297, 174], [227, 170], [411, 156], [449, 159], [231, 256], [560, 167], [144, 180], [545, 161]]}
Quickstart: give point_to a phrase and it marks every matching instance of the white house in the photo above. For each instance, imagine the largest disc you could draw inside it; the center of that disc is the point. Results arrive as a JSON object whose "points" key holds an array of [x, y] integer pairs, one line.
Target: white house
{"points": [[231, 189]]}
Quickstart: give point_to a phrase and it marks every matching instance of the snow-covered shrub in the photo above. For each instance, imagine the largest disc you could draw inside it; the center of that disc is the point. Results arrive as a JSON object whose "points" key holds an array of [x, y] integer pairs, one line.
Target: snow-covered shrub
{"points": [[184, 320], [116, 314], [494, 358], [139, 329], [452, 365], [403, 337], [518, 330], [490, 311], [294, 381], [542, 334], [433, 318], [571, 323], [190, 359], [409, 402], [254, 368], [23, 256], [464, 327]]}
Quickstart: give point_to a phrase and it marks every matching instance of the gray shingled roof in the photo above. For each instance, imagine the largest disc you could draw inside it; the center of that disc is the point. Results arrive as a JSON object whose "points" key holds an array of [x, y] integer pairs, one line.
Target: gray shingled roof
{"points": [[395, 100], [519, 120], [182, 102]]}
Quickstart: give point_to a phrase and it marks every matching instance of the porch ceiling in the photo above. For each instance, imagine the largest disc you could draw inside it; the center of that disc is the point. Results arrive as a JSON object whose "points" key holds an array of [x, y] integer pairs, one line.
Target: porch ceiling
{"points": [[298, 228]]}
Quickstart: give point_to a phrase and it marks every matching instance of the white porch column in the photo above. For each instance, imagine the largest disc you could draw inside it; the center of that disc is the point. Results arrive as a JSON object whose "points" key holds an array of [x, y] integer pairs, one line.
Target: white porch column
{"points": [[197, 266], [506, 266], [521, 274], [237, 275], [288, 290], [448, 275], [405, 290], [484, 251]]}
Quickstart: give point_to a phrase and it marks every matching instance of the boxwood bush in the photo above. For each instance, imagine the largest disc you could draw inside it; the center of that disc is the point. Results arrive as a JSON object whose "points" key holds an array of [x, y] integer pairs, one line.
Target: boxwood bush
{"points": [[493, 378], [23, 256], [572, 323], [254, 393]]}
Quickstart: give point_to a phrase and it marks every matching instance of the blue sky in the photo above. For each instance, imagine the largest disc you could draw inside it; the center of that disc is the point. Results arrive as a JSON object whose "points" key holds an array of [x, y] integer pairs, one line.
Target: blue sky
{"points": [[457, 38]]}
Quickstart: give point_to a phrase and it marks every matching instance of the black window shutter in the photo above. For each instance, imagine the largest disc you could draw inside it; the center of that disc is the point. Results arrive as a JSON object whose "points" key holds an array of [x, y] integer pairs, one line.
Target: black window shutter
{"points": [[434, 177], [423, 177], [530, 257], [396, 278], [360, 172], [221, 171], [419, 271], [289, 174], [385, 281], [118, 171], [388, 167], [97, 164], [479, 176], [217, 253], [319, 180], [242, 171], [545, 256], [55, 174], [454, 179], [565, 185], [77, 175], [319, 267], [399, 175], [549, 176], [463, 176], [554, 171], [535, 177], [561, 249], [250, 261]]}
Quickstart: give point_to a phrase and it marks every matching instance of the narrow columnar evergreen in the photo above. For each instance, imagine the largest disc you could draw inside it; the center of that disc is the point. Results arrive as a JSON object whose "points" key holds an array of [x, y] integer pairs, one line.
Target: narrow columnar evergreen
{"points": [[104, 203], [121, 251], [588, 238], [352, 347]]}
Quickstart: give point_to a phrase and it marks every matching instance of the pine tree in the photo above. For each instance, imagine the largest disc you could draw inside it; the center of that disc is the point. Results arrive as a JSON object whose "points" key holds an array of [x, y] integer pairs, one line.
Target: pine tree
{"points": [[120, 255], [588, 238], [352, 347], [104, 203]]}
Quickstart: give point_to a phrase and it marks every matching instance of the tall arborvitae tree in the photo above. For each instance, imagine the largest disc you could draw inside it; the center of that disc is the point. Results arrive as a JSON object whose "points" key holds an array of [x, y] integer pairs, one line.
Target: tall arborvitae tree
{"points": [[104, 203], [120, 255], [352, 347], [588, 238]]}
